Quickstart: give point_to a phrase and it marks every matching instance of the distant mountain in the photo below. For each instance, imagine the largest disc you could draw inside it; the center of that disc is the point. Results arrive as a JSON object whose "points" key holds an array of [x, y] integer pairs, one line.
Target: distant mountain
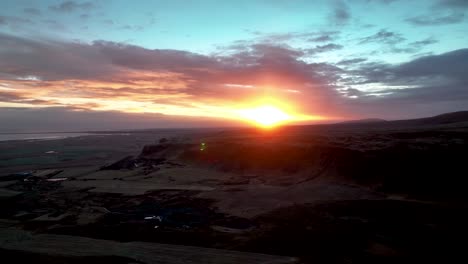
{"points": [[460, 117], [448, 118], [363, 121]]}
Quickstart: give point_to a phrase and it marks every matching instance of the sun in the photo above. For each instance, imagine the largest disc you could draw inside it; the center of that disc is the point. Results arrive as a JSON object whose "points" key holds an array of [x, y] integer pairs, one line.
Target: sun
{"points": [[265, 116]]}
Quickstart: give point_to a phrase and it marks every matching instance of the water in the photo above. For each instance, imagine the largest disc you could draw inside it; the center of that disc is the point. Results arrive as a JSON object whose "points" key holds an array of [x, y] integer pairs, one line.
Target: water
{"points": [[39, 136]]}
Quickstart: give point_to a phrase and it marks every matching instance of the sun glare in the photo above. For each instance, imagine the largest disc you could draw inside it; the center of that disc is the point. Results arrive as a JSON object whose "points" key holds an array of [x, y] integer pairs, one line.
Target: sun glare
{"points": [[265, 116]]}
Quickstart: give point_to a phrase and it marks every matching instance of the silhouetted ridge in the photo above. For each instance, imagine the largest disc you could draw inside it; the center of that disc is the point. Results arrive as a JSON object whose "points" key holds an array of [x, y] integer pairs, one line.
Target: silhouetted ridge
{"points": [[364, 121], [454, 117]]}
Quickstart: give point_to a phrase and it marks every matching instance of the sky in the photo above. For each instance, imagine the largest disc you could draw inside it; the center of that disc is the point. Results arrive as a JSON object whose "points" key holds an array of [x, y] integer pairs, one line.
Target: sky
{"points": [[102, 65]]}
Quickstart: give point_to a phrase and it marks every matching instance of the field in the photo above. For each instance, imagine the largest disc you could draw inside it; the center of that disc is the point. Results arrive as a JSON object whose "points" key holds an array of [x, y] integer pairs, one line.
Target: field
{"points": [[388, 192]]}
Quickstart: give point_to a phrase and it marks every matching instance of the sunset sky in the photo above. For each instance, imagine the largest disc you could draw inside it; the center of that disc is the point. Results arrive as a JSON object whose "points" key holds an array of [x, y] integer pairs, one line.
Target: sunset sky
{"points": [[78, 65]]}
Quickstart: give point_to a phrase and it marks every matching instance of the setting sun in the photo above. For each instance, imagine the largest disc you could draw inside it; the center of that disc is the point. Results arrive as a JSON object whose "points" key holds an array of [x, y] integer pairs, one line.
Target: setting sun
{"points": [[265, 116]]}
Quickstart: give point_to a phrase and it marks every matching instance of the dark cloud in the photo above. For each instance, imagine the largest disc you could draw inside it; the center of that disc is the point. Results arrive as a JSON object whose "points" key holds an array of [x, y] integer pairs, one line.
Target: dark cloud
{"points": [[452, 3], [32, 11], [71, 6], [431, 20], [324, 48], [368, 26], [352, 61], [131, 27], [19, 97], [281, 37], [425, 86], [424, 42], [350, 92], [54, 24], [134, 57], [384, 37], [406, 49], [322, 38], [14, 21], [422, 54], [444, 73], [452, 65], [341, 14], [23, 57], [381, 1], [8, 97], [414, 47], [319, 36]]}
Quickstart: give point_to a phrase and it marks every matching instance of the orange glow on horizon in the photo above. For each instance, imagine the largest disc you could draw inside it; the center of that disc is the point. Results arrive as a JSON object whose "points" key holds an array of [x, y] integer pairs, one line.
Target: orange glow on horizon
{"points": [[265, 116], [147, 93], [269, 113]]}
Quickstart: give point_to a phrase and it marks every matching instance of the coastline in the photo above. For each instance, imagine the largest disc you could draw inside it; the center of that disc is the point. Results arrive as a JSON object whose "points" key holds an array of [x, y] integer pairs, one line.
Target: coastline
{"points": [[39, 136]]}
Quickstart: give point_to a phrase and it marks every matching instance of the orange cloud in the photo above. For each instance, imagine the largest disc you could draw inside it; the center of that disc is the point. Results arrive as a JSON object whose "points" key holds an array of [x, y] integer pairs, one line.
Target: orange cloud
{"points": [[105, 76]]}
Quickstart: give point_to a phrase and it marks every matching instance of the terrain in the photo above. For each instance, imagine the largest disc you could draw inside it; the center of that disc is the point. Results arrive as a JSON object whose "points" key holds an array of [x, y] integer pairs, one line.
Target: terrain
{"points": [[355, 192]]}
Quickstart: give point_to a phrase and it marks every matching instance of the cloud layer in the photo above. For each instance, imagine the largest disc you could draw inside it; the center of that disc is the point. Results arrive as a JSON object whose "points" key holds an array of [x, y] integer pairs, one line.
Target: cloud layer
{"points": [[334, 59], [110, 76]]}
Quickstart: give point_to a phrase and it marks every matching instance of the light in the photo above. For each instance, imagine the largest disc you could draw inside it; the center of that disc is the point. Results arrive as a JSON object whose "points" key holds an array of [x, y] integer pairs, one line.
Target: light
{"points": [[265, 116], [202, 146]]}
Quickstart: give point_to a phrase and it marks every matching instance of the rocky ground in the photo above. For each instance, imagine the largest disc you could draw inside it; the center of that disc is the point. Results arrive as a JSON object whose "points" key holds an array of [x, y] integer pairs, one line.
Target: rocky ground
{"points": [[324, 194]]}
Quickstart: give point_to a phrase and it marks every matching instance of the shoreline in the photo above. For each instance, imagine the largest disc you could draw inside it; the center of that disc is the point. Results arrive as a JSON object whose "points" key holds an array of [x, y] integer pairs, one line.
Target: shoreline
{"points": [[4, 137]]}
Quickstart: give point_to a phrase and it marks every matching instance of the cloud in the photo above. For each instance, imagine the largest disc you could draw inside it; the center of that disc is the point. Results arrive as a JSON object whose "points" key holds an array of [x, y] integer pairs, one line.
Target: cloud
{"points": [[20, 98], [313, 36], [109, 76], [382, 1], [71, 6], [341, 14], [425, 86], [54, 24], [453, 18], [434, 74], [14, 21], [166, 81], [351, 61], [424, 42], [324, 48], [131, 27], [415, 46], [21, 57], [321, 38], [451, 64], [452, 3], [8, 96], [384, 37], [281, 37], [32, 11], [69, 119]]}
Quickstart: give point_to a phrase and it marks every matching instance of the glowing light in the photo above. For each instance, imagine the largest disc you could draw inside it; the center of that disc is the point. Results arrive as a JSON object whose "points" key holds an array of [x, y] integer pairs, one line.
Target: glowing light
{"points": [[202, 146], [265, 116]]}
